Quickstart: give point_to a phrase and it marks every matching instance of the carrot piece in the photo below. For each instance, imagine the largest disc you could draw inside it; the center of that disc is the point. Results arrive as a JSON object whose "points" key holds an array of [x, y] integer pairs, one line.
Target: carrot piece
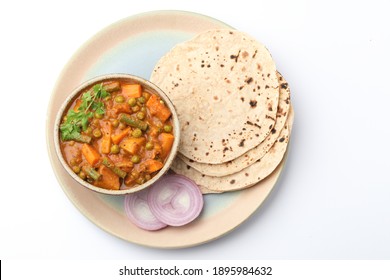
{"points": [[117, 138], [121, 108], [158, 109], [152, 165], [105, 145], [132, 90], [132, 145], [90, 154], [166, 141], [109, 180]]}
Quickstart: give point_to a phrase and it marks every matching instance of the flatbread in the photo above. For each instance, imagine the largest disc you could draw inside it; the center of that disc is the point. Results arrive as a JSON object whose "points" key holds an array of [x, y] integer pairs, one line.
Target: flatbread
{"points": [[224, 86], [246, 177], [257, 152]]}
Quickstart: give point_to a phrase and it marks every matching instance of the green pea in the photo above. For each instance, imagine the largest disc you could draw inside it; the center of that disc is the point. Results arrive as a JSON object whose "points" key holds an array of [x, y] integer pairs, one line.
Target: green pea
{"points": [[122, 126], [97, 133], [148, 177], [119, 99], [115, 123], [140, 115], [146, 95], [140, 180], [98, 116], [132, 102], [137, 133], [141, 100], [114, 149], [136, 108], [149, 146], [96, 122], [82, 175], [143, 109], [73, 161], [76, 169], [135, 159], [88, 131], [167, 128]]}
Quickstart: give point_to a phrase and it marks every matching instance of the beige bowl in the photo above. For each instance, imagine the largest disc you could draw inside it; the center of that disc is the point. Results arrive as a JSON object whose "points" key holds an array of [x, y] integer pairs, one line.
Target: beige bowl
{"points": [[128, 78]]}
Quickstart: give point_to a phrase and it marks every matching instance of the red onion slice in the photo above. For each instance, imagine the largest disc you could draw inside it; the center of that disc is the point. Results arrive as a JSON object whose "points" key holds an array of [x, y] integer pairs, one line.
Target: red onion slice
{"points": [[175, 200], [138, 211]]}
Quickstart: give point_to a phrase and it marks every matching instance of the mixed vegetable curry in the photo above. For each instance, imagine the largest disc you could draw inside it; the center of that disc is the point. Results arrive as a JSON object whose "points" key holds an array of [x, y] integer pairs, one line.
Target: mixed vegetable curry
{"points": [[116, 132]]}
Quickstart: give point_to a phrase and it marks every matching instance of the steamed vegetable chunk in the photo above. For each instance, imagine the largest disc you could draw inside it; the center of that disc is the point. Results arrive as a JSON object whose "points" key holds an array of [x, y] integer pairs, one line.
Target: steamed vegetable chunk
{"points": [[116, 135]]}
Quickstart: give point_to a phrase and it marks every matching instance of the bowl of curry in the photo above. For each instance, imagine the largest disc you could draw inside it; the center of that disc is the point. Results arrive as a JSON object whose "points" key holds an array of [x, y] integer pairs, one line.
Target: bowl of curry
{"points": [[117, 134]]}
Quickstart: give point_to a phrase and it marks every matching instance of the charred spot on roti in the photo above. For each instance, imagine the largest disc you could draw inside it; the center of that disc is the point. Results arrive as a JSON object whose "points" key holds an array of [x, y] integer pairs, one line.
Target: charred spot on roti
{"points": [[225, 149], [273, 131], [245, 54], [207, 154], [269, 117], [249, 80], [188, 167], [253, 103], [241, 143], [242, 99], [232, 181], [281, 139], [222, 65], [191, 160], [254, 55], [266, 86], [246, 174], [235, 56], [259, 66], [284, 85], [241, 87]]}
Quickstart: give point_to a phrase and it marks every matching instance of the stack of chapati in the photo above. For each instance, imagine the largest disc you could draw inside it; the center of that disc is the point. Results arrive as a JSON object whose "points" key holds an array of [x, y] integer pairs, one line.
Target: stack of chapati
{"points": [[233, 106]]}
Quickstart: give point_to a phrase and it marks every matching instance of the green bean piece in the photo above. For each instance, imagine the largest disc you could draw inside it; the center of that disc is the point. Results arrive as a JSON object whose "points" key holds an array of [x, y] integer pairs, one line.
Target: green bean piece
{"points": [[114, 149], [167, 128], [132, 102], [92, 173], [136, 133], [107, 162], [79, 138], [111, 87], [119, 99], [135, 159], [133, 122]]}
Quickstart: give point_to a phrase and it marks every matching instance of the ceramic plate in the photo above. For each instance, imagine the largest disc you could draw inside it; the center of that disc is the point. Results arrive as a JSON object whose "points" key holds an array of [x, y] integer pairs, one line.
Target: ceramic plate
{"points": [[134, 45]]}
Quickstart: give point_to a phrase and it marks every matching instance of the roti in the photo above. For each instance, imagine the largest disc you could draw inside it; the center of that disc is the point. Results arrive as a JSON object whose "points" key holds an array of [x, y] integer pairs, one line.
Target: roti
{"points": [[246, 177], [257, 152], [225, 90]]}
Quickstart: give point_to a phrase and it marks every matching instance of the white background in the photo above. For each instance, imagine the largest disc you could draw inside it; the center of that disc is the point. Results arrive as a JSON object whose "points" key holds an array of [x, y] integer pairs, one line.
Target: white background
{"points": [[333, 199]]}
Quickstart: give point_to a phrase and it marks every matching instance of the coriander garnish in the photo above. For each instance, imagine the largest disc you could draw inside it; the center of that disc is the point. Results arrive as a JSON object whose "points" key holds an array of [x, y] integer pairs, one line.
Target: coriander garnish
{"points": [[77, 121]]}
